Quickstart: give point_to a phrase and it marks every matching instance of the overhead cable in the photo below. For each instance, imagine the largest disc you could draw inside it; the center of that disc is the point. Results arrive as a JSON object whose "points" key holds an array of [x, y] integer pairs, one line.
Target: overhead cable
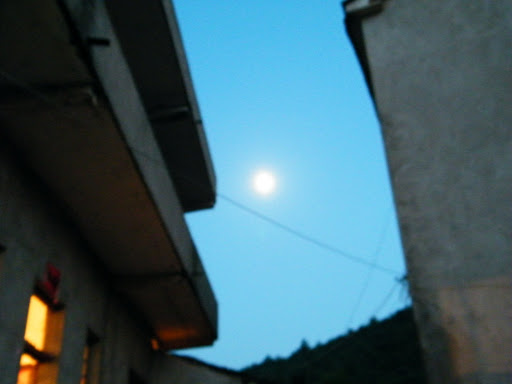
{"points": [[309, 239], [305, 237]]}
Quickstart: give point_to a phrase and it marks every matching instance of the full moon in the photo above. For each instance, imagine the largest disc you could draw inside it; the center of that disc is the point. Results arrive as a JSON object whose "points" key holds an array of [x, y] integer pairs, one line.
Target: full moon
{"points": [[264, 183]]}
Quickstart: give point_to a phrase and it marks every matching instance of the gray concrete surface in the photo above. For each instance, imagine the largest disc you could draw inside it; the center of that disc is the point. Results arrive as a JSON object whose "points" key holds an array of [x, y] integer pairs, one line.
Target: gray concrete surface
{"points": [[441, 73], [175, 369], [83, 185], [35, 231], [82, 128]]}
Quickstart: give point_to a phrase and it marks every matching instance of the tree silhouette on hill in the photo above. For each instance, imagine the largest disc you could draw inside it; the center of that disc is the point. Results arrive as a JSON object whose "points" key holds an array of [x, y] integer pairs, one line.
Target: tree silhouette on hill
{"points": [[382, 352]]}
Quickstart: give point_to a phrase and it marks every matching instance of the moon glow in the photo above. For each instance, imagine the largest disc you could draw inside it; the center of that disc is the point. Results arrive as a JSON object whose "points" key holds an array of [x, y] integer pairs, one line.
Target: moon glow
{"points": [[264, 183]]}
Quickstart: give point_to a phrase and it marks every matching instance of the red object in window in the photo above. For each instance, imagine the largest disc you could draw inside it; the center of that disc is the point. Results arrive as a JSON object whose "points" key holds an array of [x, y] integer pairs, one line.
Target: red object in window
{"points": [[51, 281]]}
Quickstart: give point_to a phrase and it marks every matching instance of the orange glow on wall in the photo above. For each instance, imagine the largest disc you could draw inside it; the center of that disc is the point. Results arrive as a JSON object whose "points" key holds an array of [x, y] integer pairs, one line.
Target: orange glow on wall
{"points": [[28, 369], [85, 365], [27, 375], [175, 333], [43, 339], [35, 330], [176, 337], [155, 345], [27, 360]]}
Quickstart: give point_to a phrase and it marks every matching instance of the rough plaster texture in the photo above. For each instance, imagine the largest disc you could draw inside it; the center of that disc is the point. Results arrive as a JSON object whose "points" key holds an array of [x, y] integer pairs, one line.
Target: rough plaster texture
{"points": [[173, 369], [91, 143], [39, 222], [114, 73], [442, 77], [34, 231], [92, 20]]}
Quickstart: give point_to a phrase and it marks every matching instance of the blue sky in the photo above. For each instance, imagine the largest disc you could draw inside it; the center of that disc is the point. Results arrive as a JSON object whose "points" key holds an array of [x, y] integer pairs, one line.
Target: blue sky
{"points": [[280, 88]]}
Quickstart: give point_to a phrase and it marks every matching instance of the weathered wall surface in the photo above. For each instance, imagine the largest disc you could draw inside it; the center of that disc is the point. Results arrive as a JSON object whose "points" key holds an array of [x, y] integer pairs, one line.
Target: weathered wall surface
{"points": [[34, 231], [169, 369], [442, 76]]}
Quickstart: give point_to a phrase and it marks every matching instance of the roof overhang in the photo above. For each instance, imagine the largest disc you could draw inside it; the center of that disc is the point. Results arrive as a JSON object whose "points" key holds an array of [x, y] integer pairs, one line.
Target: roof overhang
{"points": [[355, 12], [362, 7], [72, 109], [150, 40]]}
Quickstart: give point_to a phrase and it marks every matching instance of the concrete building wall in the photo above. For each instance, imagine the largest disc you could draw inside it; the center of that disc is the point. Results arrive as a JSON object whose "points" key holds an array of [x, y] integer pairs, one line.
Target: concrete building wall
{"points": [[174, 369], [34, 230], [441, 72], [86, 188]]}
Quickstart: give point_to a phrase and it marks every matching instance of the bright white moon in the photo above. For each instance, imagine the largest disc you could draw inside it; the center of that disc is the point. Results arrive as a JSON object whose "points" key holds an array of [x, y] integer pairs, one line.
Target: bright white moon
{"points": [[264, 183]]}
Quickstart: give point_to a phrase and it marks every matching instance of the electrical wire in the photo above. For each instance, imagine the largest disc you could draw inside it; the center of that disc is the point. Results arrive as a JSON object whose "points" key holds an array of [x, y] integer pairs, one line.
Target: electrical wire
{"points": [[308, 238], [337, 344], [26, 87], [373, 259], [303, 236], [371, 264]]}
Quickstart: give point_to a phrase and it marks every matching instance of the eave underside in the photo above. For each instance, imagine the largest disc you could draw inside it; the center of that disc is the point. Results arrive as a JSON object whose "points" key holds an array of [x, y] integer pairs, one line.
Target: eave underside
{"points": [[57, 115]]}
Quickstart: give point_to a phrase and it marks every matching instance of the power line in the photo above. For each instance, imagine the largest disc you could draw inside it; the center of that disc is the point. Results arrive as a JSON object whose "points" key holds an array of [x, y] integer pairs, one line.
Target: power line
{"points": [[307, 238], [337, 343], [26, 87], [373, 259], [303, 236], [371, 264], [385, 300]]}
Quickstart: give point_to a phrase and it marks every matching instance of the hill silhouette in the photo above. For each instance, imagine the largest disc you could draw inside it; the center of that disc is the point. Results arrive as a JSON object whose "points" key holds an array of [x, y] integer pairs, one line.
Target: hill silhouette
{"points": [[381, 352]]}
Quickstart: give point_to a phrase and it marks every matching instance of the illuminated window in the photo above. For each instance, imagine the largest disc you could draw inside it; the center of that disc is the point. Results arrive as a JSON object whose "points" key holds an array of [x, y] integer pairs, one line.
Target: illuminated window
{"points": [[35, 330], [84, 379], [43, 337], [91, 360], [28, 369]]}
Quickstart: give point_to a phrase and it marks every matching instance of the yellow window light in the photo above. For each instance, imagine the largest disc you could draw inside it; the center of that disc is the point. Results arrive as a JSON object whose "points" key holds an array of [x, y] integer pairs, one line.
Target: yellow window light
{"points": [[36, 323], [28, 368], [27, 360]]}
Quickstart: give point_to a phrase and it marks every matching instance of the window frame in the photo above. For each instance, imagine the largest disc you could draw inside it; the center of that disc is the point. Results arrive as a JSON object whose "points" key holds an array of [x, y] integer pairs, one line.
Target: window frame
{"points": [[46, 357]]}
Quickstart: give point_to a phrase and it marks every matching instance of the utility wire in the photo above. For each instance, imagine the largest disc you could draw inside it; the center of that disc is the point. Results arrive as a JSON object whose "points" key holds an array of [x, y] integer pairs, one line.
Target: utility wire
{"points": [[337, 343], [307, 238], [298, 234], [26, 87], [386, 298], [373, 259]]}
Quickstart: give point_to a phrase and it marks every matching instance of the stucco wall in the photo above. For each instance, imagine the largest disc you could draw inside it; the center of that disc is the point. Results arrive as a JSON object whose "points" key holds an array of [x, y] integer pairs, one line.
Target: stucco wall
{"points": [[168, 369], [442, 77], [34, 230]]}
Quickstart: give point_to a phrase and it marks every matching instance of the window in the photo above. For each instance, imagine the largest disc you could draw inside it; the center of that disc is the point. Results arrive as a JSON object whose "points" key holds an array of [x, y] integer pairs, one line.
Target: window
{"points": [[91, 360], [35, 330], [43, 337], [134, 378]]}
